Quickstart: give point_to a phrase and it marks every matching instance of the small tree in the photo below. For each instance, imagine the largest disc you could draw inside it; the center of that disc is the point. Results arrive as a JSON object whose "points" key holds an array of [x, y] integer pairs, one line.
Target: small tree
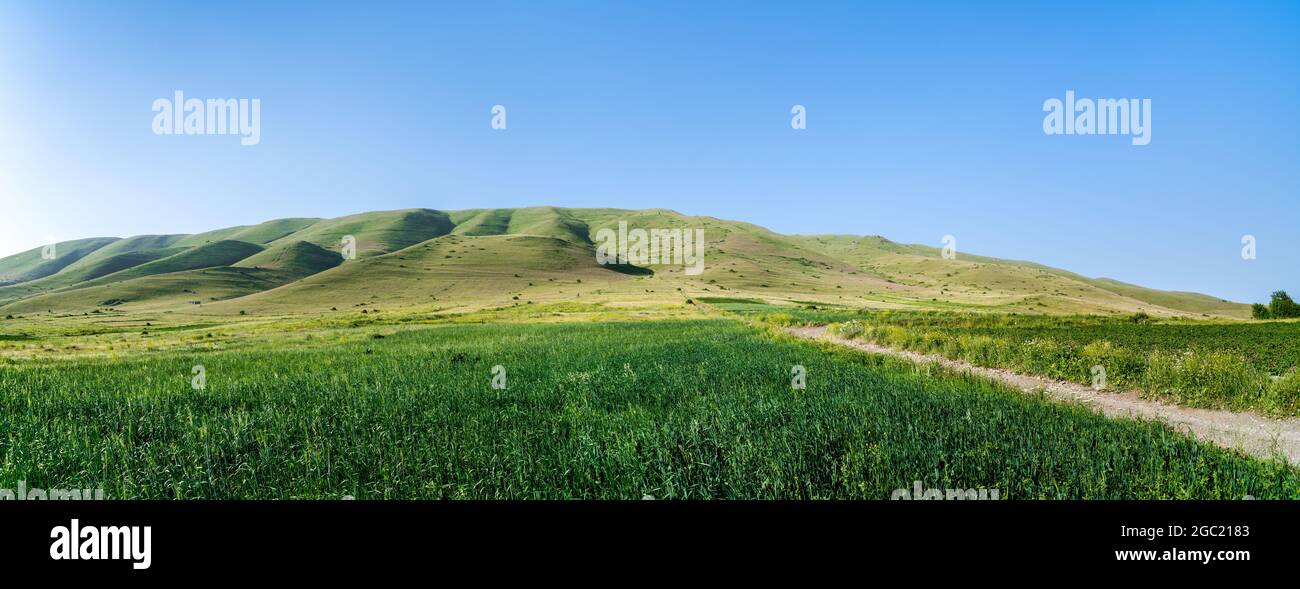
{"points": [[1259, 311], [1282, 307]]}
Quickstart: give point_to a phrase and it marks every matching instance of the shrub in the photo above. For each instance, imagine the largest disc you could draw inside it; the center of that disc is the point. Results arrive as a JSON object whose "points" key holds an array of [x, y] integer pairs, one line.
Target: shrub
{"points": [[849, 329], [1260, 311], [779, 319], [1281, 306], [1284, 393]]}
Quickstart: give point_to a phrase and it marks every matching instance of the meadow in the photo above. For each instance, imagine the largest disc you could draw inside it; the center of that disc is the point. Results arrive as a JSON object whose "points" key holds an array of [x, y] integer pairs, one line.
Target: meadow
{"points": [[1242, 366], [674, 409]]}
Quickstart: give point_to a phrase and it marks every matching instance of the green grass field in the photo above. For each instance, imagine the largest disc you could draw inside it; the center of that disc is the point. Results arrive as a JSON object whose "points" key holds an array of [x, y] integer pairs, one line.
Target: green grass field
{"points": [[332, 375], [673, 409], [1218, 365]]}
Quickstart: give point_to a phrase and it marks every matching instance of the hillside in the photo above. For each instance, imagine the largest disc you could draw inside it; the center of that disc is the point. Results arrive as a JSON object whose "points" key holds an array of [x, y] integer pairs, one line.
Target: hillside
{"points": [[297, 257], [85, 272], [209, 255], [260, 234], [33, 264], [476, 258], [378, 232]]}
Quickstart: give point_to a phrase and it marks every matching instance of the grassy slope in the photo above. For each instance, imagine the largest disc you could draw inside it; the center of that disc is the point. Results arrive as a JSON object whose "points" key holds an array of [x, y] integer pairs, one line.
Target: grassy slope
{"points": [[1188, 301], [742, 260], [85, 272], [124, 246], [175, 290], [209, 255], [297, 257], [378, 232], [175, 266], [443, 271], [548, 222], [261, 234], [30, 265], [482, 222], [1012, 285]]}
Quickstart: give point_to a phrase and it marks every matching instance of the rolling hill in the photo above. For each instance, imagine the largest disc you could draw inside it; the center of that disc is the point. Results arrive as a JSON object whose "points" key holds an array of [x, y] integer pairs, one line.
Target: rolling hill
{"points": [[32, 264], [297, 257], [476, 258], [260, 234], [84, 273], [377, 233]]}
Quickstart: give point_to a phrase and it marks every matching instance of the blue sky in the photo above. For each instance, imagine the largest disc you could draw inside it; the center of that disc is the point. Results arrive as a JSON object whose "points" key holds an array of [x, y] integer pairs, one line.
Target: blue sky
{"points": [[922, 121]]}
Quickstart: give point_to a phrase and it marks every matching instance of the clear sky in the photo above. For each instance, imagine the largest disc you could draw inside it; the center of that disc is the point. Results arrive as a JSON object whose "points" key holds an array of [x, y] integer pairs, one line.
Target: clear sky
{"points": [[922, 121]]}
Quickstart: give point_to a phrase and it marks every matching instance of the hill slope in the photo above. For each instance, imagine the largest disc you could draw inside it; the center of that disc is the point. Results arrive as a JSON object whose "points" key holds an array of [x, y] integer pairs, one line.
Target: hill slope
{"points": [[210, 255], [80, 273], [161, 291], [378, 232], [478, 258], [33, 264], [260, 234], [296, 257]]}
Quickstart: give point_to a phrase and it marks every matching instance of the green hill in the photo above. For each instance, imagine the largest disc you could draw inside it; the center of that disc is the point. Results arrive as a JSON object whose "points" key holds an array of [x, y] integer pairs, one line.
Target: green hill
{"points": [[1186, 301], [477, 258], [32, 264], [377, 233], [486, 222], [127, 245], [548, 222], [261, 234], [210, 255], [451, 270], [178, 290], [83, 272], [296, 257]]}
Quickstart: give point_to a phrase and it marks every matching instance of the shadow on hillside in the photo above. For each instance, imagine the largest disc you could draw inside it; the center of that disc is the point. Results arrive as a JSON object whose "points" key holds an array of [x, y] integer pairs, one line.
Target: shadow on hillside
{"points": [[629, 269]]}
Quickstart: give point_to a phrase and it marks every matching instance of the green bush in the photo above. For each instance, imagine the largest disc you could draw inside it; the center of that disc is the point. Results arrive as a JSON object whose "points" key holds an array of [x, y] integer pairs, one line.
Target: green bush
{"points": [[1282, 307], [846, 330], [779, 319]]}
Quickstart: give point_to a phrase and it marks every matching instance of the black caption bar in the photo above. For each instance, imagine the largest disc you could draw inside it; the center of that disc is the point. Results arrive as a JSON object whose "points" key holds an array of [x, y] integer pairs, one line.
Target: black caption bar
{"points": [[233, 539]]}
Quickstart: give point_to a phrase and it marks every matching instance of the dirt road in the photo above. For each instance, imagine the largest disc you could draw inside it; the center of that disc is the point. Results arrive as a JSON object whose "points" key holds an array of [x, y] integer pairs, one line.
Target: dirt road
{"points": [[1254, 434]]}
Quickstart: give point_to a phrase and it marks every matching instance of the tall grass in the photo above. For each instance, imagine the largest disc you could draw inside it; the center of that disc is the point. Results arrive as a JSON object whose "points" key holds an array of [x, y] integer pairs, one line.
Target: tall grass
{"points": [[682, 409], [1164, 368]]}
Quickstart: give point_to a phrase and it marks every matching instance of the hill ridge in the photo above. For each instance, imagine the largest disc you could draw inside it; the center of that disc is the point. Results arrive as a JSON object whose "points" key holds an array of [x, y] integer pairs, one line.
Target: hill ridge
{"points": [[471, 258]]}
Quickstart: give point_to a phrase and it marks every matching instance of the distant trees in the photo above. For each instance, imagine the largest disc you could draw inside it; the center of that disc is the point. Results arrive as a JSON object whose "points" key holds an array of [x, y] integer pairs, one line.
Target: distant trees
{"points": [[1280, 306], [1140, 317]]}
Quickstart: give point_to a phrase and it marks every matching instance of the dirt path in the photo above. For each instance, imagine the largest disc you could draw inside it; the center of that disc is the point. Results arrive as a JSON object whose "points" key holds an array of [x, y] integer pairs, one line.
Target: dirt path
{"points": [[1254, 434]]}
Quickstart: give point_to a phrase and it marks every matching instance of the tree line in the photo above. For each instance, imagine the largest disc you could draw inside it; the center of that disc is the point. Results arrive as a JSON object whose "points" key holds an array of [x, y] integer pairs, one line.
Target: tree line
{"points": [[1280, 307]]}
